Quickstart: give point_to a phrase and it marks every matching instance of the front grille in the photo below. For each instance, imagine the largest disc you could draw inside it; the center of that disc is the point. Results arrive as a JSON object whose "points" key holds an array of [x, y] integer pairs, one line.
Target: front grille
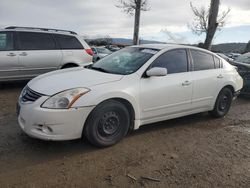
{"points": [[28, 95]]}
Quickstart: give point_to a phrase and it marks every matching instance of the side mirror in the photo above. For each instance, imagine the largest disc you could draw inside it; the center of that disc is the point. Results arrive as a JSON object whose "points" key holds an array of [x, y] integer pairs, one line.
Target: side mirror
{"points": [[157, 71]]}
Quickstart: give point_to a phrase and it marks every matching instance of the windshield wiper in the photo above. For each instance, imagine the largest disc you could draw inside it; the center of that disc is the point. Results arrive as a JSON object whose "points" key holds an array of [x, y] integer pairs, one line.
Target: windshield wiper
{"points": [[99, 69]]}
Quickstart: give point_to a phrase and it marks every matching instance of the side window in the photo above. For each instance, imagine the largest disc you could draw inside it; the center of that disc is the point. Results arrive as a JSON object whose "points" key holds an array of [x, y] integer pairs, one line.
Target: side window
{"points": [[175, 61], [202, 60], [6, 41], [216, 62], [68, 42], [36, 41]]}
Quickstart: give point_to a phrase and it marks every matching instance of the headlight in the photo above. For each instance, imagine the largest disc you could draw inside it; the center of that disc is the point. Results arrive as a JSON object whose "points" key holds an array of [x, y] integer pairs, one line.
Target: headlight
{"points": [[64, 99]]}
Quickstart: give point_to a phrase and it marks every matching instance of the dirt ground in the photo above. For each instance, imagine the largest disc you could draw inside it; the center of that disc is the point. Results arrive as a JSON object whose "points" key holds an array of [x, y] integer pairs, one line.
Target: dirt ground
{"points": [[194, 151]]}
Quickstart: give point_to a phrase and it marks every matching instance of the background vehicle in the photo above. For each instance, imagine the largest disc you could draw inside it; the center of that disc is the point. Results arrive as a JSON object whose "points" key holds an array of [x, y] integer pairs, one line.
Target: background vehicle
{"points": [[26, 52], [99, 53], [132, 87], [228, 59], [243, 64], [244, 58], [113, 48], [233, 55]]}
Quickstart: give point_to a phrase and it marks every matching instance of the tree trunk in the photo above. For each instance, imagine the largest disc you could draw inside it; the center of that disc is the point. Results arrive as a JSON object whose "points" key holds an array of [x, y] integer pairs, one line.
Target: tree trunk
{"points": [[212, 23], [137, 22]]}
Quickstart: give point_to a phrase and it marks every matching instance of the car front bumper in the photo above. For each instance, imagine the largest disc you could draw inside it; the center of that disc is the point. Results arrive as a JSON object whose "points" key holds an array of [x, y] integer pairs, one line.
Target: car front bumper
{"points": [[52, 124]]}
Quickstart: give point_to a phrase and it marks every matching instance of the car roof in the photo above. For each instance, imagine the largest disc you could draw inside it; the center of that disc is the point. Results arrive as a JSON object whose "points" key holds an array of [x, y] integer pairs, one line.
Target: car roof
{"points": [[170, 46], [37, 30]]}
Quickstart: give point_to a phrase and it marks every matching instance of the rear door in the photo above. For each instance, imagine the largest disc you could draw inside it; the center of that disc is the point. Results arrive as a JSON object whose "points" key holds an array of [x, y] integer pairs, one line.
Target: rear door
{"points": [[38, 53], [9, 66], [207, 77]]}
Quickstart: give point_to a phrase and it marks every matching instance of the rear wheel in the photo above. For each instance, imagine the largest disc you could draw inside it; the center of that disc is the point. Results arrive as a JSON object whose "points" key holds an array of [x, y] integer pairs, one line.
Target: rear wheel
{"points": [[223, 103], [107, 124]]}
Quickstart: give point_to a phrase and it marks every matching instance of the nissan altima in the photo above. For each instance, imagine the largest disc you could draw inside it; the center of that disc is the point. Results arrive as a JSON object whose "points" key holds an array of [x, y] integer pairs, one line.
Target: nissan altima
{"points": [[132, 87]]}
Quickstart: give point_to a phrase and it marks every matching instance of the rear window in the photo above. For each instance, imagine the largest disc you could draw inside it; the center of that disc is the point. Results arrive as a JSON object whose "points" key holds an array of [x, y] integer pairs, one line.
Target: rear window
{"points": [[36, 41], [68, 42]]}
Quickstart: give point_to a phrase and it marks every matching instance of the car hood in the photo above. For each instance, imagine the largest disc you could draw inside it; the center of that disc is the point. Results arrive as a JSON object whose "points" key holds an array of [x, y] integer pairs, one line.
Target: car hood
{"points": [[57, 81]]}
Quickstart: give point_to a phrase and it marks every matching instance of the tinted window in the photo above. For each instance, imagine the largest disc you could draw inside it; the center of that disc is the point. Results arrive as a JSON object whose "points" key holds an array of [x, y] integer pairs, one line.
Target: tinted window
{"points": [[6, 41], [175, 61], [216, 62], [36, 41], [68, 42], [202, 60]]}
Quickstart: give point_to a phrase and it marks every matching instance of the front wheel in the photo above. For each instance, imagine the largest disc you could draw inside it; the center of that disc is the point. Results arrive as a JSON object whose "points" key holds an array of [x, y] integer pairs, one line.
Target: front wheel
{"points": [[223, 103], [107, 124]]}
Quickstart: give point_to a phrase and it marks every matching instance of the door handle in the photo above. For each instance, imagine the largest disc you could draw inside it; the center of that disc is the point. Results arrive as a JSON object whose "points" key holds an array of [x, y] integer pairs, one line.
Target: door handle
{"points": [[220, 76], [186, 83], [23, 54], [11, 54]]}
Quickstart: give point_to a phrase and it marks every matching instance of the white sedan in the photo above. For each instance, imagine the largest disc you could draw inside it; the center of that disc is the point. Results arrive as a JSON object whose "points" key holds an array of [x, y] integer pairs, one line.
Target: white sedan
{"points": [[132, 87]]}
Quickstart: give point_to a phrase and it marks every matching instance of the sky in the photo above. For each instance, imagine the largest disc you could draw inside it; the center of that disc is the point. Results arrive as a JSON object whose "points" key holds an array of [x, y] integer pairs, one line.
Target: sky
{"points": [[166, 20]]}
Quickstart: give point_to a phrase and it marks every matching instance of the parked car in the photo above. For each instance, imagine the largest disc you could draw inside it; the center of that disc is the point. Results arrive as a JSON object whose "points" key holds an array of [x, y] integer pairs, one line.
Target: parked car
{"points": [[243, 65], [228, 59], [99, 53], [113, 48], [245, 58], [27, 52], [233, 55], [132, 87]]}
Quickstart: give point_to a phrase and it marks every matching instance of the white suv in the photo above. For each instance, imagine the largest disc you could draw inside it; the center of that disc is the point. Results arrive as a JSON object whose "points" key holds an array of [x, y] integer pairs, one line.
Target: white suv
{"points": [[26, 52]]}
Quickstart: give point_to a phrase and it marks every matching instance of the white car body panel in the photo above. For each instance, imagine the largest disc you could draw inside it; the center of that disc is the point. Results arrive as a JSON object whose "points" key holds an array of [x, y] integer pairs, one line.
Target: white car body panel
{"points": [[9, 66], [153, 99], [62, 78], [37, 62]]}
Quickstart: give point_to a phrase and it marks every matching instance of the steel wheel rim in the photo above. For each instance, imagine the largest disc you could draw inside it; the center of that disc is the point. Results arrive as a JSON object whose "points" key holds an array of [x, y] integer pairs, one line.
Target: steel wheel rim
{"points": [[109, 124], [224, 103]]}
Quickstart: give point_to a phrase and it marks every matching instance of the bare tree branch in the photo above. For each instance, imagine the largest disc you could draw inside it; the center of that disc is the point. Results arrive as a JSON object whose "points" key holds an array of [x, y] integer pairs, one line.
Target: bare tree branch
{"points": [[129, 6], [207, 20], [134, 7]]}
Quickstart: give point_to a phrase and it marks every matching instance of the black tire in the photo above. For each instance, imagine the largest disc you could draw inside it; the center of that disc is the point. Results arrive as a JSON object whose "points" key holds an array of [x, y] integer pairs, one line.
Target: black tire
{"points": [[223, 103], [107, 124]]}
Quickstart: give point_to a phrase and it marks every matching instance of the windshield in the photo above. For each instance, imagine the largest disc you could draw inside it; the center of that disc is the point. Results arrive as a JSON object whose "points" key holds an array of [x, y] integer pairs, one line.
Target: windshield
{"points": [[244, 58], [125, 61]]}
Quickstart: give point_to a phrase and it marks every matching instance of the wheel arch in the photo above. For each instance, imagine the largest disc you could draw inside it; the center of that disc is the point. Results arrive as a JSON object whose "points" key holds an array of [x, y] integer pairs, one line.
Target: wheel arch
{"points": [[229, 87], [70, 64], [125, 102]]}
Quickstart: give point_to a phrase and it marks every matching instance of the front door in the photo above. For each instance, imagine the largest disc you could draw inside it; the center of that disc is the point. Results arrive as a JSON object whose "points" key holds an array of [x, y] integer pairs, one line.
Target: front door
{"points": [[170, 95]]}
